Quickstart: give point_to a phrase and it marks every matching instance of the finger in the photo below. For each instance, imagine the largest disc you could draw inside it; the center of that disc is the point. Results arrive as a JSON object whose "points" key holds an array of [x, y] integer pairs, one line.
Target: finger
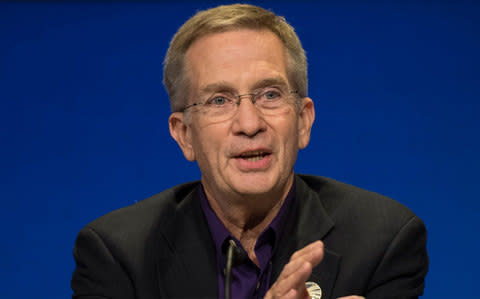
{"points": [[310, 252], [296, 272], [291, 268], [291, 294], [295, 280], [283, 287], [307, 249]]}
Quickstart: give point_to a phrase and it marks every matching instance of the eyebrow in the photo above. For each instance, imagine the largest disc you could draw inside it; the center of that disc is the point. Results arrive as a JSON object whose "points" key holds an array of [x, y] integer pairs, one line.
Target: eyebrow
{"points": [[275, 81], [227, 87]]}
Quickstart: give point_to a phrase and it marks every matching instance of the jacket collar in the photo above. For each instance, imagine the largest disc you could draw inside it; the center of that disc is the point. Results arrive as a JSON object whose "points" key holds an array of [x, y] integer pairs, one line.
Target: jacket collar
{"points": [[186, 266], [307, 222]]}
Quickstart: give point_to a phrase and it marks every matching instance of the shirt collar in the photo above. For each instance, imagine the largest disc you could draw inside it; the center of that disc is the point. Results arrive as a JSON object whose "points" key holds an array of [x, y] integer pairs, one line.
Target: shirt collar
{"points": [[220, 234]]}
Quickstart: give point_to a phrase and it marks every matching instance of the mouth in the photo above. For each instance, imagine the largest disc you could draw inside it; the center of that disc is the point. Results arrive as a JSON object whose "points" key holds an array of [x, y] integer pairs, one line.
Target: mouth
{"points": [[253, 156]]}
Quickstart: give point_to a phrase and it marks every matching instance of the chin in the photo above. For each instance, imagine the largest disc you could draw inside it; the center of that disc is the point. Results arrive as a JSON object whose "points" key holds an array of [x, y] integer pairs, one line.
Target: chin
{"points": [[254, 186]]}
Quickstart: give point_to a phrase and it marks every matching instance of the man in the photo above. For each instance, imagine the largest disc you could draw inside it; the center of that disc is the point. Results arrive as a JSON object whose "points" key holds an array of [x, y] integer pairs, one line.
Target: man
{"points": [[237, 80]]}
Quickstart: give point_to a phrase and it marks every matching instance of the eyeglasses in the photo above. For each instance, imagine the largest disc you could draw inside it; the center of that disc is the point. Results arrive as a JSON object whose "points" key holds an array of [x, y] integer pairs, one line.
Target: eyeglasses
{"points": [[221, 106]]}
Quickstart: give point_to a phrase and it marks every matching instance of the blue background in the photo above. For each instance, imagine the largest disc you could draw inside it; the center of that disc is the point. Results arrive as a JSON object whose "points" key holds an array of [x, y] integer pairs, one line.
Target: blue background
{"points": [[83, 122]]}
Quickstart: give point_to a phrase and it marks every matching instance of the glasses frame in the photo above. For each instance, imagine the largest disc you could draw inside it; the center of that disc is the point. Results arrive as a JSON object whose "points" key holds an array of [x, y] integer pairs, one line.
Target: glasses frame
{"points": [[238, 97]]}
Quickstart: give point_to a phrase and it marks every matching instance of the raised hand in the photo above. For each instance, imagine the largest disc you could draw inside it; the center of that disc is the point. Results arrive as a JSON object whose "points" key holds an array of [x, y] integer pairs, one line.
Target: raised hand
{"points": [[291, 282]]}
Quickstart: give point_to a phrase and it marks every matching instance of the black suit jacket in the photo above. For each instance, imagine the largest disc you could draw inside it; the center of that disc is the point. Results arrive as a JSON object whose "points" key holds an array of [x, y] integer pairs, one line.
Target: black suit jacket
{"points": [[161, 247]]}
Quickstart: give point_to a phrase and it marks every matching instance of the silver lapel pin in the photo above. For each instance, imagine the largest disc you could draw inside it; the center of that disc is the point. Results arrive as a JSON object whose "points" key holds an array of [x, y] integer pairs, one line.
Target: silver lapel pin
{"points": [[314, 290]]}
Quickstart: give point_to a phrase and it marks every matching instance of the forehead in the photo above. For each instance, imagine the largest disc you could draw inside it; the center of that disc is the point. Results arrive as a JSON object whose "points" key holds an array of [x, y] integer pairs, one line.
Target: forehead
{"points": [[240, 58]]}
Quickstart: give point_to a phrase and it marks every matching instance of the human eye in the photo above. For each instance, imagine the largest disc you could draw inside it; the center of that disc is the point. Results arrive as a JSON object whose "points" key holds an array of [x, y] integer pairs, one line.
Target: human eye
{"points": [[270, 94], [218, 100]]}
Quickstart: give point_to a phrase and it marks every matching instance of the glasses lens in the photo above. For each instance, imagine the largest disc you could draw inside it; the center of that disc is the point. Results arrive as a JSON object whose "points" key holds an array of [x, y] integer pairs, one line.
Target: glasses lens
{"points": [[223, 106]]}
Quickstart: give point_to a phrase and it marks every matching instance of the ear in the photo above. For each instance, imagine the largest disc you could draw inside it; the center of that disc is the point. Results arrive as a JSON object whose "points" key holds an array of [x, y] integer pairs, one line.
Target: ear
{"points": [[306, 117], [181, 132]]}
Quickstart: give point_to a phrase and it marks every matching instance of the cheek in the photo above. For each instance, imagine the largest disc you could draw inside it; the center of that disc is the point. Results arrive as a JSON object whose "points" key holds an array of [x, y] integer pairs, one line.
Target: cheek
{"points": [[288, 138], [207, 147]]}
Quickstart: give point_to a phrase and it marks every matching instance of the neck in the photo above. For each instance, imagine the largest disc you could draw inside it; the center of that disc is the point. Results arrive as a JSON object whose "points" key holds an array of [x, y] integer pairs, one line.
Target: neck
{"points": [[246, 217]]}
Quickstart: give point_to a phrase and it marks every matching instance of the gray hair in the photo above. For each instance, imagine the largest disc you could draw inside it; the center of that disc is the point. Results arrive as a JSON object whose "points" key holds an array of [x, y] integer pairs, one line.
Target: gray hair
{"points": [[228, 18]]}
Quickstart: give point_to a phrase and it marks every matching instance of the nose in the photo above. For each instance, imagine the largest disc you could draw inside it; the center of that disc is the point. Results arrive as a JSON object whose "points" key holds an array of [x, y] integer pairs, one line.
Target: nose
{"points": [[248, 120]]}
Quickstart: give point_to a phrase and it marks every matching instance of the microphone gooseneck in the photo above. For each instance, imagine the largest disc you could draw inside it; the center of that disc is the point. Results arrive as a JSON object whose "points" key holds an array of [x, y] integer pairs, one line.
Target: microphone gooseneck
{"points": [[228, 269], [235, 257]]}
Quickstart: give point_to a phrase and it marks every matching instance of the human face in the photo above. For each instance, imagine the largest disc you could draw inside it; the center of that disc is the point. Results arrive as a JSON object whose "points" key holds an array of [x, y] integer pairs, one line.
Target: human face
{"points": [[250, 154]]}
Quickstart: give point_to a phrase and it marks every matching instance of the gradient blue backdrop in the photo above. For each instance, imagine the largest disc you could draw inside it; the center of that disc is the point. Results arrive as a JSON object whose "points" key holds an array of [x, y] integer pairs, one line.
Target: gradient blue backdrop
{"points": [[83, 122]]}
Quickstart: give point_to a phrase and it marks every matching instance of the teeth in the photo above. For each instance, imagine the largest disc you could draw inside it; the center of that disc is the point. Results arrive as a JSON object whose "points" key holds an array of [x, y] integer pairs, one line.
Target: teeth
{"points": [[250, 154], [253, 156]]}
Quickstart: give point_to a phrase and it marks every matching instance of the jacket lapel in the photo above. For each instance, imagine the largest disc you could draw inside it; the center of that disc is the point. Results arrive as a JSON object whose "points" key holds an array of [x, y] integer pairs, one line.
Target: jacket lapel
{"points": [[307, 222], [187, 267]]}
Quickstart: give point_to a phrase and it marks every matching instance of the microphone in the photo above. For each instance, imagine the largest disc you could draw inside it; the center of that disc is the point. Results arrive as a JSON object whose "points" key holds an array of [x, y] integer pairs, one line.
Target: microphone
{"points": [[235, 257]]}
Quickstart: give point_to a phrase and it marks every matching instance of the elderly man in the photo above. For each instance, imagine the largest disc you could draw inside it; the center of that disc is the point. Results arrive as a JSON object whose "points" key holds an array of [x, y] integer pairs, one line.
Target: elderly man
{"points": [[250, 228]]}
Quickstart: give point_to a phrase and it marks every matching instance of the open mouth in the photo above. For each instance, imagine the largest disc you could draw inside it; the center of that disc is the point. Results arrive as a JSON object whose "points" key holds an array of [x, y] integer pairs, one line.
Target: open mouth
{"points": [[253, 156]]}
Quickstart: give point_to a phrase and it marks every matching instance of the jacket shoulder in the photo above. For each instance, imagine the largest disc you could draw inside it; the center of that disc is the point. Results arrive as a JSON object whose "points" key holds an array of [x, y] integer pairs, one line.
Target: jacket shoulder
{"points": [[138, 220], [340, 198], [381, 242]]}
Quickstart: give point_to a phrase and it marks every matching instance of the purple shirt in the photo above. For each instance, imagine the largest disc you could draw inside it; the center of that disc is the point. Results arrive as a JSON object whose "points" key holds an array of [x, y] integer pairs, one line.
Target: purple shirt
{"points": [[247, 280]]}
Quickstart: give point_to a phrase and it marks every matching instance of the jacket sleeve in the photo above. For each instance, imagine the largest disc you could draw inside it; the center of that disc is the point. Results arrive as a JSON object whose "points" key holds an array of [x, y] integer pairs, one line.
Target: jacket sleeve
{"points": [[402, 270], [98, 273]]}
